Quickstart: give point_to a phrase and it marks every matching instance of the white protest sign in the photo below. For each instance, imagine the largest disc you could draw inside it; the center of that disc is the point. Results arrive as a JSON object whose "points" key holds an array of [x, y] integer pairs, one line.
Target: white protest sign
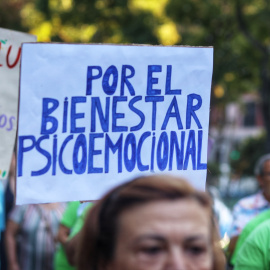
{"points": [[94, 116], [10, 52]]}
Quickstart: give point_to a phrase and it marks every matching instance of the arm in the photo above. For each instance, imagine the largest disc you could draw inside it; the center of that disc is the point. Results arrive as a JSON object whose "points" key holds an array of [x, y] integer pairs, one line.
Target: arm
{"points": [[71, 247], [63, 233], [67, 222], [232, 246], [10, 242]]}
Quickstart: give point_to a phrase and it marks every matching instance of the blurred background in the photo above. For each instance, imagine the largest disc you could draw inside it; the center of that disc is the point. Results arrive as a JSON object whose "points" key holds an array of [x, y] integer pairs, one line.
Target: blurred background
{"points": [[239, 30]]}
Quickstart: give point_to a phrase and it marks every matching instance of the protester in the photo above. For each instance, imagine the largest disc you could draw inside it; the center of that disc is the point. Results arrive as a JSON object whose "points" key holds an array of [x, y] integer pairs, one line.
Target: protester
{"points": [[2, 207], [254, 253], [67, 222], [249, 207], [2, 214], [70, 245], [30, 236], [153, 222], [248, 229], [9, 191], [71, 224]]}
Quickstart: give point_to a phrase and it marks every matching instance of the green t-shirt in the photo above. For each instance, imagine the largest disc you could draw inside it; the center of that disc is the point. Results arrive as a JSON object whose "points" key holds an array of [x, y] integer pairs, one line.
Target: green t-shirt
{"points": [[69, 218], [70, 215], [60, 260], [254, 254], [80, 220], [248, 229]]}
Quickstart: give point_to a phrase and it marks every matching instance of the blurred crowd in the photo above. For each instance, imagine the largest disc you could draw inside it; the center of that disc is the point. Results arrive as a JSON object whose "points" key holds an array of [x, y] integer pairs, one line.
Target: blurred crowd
{"points": [[47, 236]]}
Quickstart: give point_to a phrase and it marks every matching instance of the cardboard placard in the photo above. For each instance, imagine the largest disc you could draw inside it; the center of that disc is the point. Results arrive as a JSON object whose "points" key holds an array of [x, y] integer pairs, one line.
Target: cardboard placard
{"points": [[10, 53], [94, 116]]}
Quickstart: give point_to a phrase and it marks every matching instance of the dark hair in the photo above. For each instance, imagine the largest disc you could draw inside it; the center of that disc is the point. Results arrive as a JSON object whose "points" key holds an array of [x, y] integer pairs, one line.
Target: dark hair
{"points": [[99, 233], [259, 167]]}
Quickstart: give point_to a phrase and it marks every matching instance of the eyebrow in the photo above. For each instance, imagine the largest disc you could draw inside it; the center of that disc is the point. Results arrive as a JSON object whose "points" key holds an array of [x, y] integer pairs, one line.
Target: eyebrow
{"points": [[156, 237], [195, 238], [163, 239]]}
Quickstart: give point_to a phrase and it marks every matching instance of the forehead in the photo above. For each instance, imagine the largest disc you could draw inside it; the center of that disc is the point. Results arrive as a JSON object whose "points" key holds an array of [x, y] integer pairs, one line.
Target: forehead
{"points": [[181, 217]]}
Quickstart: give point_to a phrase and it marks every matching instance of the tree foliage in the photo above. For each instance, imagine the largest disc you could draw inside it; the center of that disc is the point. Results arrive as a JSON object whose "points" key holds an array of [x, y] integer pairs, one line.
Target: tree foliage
{"points": [[238, 30], [10, 14], [248, 153], [96, 21], [213, 23]]}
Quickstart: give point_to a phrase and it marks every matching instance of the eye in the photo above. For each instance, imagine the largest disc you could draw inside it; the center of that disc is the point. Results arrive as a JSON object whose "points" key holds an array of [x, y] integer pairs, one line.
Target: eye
{"points": [[151, 250], [196, 250]]}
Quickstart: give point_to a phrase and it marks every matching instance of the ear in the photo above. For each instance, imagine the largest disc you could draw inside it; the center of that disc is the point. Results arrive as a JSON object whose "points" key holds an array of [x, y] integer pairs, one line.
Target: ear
{"points": [[260, 180]]}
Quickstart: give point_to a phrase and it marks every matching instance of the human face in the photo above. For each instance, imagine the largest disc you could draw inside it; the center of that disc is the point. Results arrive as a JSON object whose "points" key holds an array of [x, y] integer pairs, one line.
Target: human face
{"points": [[264, 180], [164, 235]]}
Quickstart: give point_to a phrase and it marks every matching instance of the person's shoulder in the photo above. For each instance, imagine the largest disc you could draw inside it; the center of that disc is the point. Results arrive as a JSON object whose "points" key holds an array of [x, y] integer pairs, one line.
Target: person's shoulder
{"points": [[22, 207], [251, 201], [250, 198], [261, 232], [257, 220], [259, 239], [19, 212], [253, 254]]}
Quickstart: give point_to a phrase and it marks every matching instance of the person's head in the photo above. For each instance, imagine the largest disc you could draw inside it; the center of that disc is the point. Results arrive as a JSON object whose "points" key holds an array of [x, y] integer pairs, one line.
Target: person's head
{"points": [[151, 223], [262, 172]]}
